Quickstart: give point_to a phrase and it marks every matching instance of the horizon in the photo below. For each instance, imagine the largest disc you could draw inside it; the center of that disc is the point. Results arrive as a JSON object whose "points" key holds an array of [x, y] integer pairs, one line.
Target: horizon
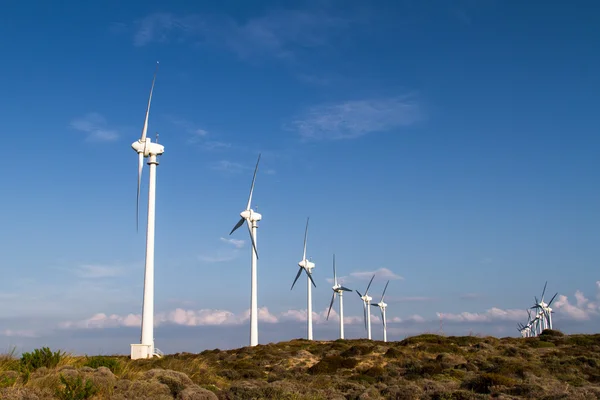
{"points": [[449, 149]]}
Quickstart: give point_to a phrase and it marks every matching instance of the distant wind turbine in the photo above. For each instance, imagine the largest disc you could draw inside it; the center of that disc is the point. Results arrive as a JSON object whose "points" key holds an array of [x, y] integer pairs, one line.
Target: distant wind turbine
{"points": [[145, 148], [251, 218], [338, 289], [367, 311], [307, 266], [382, 306]]}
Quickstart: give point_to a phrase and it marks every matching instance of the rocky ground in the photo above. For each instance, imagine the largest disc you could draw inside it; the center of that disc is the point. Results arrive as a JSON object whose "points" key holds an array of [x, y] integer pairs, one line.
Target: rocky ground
{"points": [[552, 366]]}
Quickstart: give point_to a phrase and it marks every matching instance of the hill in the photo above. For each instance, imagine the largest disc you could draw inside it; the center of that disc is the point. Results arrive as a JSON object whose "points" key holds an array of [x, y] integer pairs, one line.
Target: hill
{"points": [[551, 366]]}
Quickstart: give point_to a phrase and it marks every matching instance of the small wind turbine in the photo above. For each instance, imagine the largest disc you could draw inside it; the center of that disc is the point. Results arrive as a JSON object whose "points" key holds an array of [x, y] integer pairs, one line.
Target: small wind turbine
{"points": [[338, 289], [544, 310], [382, 306], [307, 266], [366, 310], [145, 148], [252, 217]]}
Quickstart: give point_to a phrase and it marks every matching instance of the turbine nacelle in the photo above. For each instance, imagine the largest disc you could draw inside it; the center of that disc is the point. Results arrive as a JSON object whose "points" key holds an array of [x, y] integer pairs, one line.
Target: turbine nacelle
{"points": [[146, 147], [307, 265], [251, 215], [366, 298]]}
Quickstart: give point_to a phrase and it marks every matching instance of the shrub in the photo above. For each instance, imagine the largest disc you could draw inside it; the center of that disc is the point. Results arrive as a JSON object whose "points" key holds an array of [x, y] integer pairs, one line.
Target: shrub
{"points": [[331, 364], [75, 389], [102, 361], [43, 357], [482, 383]]}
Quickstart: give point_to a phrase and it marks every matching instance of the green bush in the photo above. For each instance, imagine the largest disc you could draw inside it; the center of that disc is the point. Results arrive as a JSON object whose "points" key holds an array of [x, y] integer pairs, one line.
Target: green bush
{"points": [[482, 383], [102, 361], [75, 389], [43, 357], [331, 364]]}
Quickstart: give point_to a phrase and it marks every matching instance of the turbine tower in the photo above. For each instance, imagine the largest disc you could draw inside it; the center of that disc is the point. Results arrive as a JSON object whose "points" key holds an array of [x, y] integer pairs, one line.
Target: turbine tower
{"points": [[251, 217], [307, 266], [382, 306], [145, 148], [338, 289], [366, 310]]}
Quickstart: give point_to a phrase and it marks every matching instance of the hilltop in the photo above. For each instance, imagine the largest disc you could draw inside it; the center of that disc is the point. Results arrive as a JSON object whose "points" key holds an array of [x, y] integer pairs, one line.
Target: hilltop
{"points": [[551, 366]]}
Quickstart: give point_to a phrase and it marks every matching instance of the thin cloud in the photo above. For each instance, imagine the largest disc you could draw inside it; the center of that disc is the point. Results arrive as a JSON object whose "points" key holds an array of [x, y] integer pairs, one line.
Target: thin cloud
{"points": [[95, 126], [238, 243], [229, 167], [356, 118], [19, 333], [91, 271], [280, 34], [381, 273], [470, 296]]}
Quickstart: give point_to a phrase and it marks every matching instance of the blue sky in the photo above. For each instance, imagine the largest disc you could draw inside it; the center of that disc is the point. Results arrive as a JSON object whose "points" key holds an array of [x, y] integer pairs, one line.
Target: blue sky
{"points": [[447, 146]]}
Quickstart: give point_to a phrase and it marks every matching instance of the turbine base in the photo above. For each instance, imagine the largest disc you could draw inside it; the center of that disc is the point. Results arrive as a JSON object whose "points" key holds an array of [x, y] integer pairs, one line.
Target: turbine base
{"points": [[141, 351]]}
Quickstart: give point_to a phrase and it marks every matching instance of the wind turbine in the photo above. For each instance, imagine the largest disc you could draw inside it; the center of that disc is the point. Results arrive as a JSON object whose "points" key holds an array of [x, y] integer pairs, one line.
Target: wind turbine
{"points": [[251, 217], [544, 310], [382, 306], [367, 311], [145, 148], [338, 289], [307, 266]]}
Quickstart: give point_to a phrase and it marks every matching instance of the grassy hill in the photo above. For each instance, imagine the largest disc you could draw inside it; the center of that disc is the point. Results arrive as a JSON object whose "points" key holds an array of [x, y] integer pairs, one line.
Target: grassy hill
{"points": [[552, 366]]}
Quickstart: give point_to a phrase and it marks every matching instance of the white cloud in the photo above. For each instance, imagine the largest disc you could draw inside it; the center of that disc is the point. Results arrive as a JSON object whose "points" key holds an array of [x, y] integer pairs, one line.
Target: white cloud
{"points": [[91, 271], [238, 243], [583, 310], [355, 118], [179, 316], [94, 125], [381, 273], [18, 333], [493, 314]]}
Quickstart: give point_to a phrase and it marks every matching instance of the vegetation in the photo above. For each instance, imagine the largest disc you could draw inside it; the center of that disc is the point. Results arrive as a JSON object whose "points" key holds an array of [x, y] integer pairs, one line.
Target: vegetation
{"points": [[551, 366]]}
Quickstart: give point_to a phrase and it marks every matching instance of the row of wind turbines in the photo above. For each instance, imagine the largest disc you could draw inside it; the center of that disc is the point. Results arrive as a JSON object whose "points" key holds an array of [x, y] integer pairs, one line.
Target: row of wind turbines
{"points": [[146, 149], [542, 319], [251, 218]]}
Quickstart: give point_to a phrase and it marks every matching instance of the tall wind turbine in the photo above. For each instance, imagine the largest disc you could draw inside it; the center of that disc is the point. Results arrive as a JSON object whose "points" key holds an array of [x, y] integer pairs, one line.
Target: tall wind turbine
{"points": [[382, 306], [251, 217], [367, 311], [307, 266], [145, 148], [338, 289]]}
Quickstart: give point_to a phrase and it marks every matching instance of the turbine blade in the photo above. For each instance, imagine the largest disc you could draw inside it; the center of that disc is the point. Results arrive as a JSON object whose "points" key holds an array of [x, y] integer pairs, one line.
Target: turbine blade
{"points": [[334, 275], [240, 223], [551, 300], [359, 295], [384, 289], [145, 128], [330, 305], [297, 276], [139, 183], [305, 235], [371, 281], [310, 277], [346, 289], [252, 239], [544, 291], [252, 186]]}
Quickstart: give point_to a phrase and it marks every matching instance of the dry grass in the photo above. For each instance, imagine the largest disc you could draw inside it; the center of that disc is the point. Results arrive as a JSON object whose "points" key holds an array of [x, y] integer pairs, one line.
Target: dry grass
{"points": [[428, 366]]}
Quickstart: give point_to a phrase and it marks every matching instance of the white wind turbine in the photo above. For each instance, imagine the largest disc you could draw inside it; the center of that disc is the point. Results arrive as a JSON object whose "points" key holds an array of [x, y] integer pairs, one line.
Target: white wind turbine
{"points": [[145, 148], [367, 311], [252, 217], [307, 266], [338, 289], [382, 306]]}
